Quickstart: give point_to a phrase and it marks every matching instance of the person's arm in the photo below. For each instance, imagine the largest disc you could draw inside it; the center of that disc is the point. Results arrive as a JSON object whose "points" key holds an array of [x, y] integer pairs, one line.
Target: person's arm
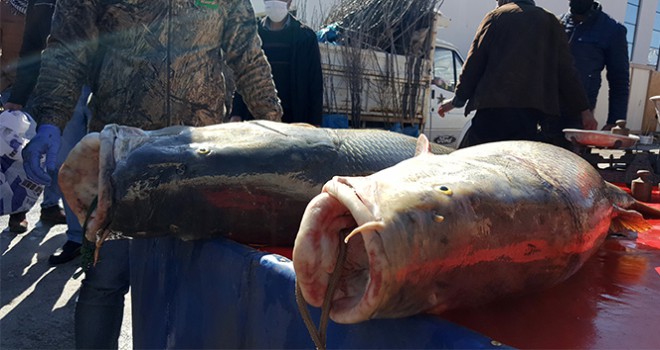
{"points": [[64, 65], [475, 63], [618, 75], [242, 47], [37, 28]]}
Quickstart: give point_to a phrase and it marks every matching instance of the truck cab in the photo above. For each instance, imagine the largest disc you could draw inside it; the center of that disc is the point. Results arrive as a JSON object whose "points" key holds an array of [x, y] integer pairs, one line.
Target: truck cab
{"points": [[447, 67]]}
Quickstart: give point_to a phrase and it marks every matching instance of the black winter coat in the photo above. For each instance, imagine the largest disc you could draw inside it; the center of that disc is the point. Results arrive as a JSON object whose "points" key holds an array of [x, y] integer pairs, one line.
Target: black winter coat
{"points": [[306, 80], [600, 42]]}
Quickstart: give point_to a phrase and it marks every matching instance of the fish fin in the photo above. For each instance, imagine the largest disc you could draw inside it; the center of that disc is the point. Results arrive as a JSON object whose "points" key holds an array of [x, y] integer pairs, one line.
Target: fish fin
{"points": [[623, 199], [423, 145], [628, 220]]}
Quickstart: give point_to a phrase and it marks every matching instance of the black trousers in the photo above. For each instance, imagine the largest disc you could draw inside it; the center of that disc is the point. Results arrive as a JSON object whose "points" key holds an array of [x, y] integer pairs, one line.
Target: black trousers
{"points": [[551, 129], [503, 124]]}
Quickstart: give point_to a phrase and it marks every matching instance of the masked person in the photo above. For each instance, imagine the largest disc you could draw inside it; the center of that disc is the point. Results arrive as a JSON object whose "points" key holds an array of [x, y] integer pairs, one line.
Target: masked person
{"points": [[518, 72], [150, 64], [597, 42], [293, 53]]}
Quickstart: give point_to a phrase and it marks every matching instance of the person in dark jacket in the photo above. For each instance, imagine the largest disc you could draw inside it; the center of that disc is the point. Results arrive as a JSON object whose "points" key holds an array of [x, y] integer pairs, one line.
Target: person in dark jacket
{"points": [[292, 50], [518, 71], [597, 42]]}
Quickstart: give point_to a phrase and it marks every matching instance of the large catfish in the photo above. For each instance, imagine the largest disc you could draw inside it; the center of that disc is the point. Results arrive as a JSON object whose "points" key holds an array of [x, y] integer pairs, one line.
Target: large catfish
{"points": [[247, 181], [437, 232]]}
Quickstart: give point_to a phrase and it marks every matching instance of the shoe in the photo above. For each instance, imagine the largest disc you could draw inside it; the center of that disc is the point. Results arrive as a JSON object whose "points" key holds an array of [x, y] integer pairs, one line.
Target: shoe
{"points": [[69, 251], [18, 223], [53, 215]]}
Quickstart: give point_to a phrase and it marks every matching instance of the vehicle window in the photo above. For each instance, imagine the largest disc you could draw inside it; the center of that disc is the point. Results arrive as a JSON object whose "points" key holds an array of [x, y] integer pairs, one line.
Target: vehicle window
{"points": [[444, 73], [447, 68]]}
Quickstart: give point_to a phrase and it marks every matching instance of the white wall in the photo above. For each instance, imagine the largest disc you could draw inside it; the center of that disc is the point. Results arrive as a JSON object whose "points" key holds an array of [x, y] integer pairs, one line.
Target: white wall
{"points": [[465, 16], [643, 40]]}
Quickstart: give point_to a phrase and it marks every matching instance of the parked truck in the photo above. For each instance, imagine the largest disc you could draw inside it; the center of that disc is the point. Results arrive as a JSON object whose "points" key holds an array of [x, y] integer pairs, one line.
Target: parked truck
{"points": [[371, 88]]}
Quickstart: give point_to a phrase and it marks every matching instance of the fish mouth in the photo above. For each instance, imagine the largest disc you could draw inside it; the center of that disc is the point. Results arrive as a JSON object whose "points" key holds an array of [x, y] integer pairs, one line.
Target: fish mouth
{"points": [[85, 177], [362, 283]]}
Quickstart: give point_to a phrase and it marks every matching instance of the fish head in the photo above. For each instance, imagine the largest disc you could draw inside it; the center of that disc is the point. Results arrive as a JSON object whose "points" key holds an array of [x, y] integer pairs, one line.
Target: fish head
{"points": [[395, 224]]}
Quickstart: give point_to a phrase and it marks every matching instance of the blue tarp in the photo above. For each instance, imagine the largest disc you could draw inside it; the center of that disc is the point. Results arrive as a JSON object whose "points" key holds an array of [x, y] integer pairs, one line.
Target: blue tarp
{"points": [[221, 294], [335, 121]]}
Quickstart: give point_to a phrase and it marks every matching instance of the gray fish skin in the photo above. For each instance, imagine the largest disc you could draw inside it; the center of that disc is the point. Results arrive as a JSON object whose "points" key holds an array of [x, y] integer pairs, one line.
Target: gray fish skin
{"points": [[247, 181], [437, 232]]}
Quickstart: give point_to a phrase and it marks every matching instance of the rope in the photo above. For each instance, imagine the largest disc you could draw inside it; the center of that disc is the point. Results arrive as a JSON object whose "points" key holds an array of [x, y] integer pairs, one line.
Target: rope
{"points": [[319, 335], [88, 249]]}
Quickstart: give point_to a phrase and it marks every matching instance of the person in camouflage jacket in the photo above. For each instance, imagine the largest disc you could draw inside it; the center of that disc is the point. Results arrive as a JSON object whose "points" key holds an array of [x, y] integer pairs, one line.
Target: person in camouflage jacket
{"points": [[150, 64]]}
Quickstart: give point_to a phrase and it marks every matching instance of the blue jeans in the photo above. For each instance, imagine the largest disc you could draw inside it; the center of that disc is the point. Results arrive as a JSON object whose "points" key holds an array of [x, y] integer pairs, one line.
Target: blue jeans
{"points": [[100, 305], [73, 132]]}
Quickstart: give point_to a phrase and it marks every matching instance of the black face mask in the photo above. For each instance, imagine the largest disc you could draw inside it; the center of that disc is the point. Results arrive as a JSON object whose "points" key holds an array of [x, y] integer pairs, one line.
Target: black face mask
{"points": [[580, 7]]}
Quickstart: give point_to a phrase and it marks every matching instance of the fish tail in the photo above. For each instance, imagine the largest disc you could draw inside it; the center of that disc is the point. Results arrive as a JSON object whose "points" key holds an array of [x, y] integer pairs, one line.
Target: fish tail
{"points": [[622, 199], [628, 220]]}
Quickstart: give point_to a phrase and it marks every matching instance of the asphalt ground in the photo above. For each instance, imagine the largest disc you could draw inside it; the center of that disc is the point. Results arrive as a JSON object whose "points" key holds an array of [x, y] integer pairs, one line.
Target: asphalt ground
{"points": [[37, 299]]}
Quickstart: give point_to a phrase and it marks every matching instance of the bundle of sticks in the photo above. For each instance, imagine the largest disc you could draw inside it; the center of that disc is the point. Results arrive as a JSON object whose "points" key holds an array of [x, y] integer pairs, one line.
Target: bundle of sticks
{"points": [[396, 26]]}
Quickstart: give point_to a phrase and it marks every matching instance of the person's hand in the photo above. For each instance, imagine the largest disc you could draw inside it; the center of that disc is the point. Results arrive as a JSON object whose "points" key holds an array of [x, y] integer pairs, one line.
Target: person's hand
{"points": [[445, 107], [45, 142], [9, 106], [608, 127], [588, 120], [235, 118]]}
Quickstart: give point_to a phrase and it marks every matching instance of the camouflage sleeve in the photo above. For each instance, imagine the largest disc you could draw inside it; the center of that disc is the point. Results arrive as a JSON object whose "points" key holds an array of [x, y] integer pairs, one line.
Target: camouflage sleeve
{"points": [[242, 48], [64, 61]]}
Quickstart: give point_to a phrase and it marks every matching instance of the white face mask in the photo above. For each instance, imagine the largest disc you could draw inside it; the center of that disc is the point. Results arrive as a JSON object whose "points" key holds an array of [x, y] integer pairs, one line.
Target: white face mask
{"points": [[276, 10]]}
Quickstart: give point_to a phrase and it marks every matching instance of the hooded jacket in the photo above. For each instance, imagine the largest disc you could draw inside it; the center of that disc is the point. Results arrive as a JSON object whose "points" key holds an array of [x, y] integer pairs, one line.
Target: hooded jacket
{"points": [[600, 42], [152, 64], [520, 59]]}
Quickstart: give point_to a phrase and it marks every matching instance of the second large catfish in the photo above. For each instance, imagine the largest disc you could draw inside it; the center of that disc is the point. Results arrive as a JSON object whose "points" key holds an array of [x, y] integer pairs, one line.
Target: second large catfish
{"points": [[437, 232]]}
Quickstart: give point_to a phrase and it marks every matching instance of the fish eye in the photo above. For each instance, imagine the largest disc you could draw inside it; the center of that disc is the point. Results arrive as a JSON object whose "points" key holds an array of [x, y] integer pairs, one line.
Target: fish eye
{"points": [[445, 190], [203, 151], [438, 218]]}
